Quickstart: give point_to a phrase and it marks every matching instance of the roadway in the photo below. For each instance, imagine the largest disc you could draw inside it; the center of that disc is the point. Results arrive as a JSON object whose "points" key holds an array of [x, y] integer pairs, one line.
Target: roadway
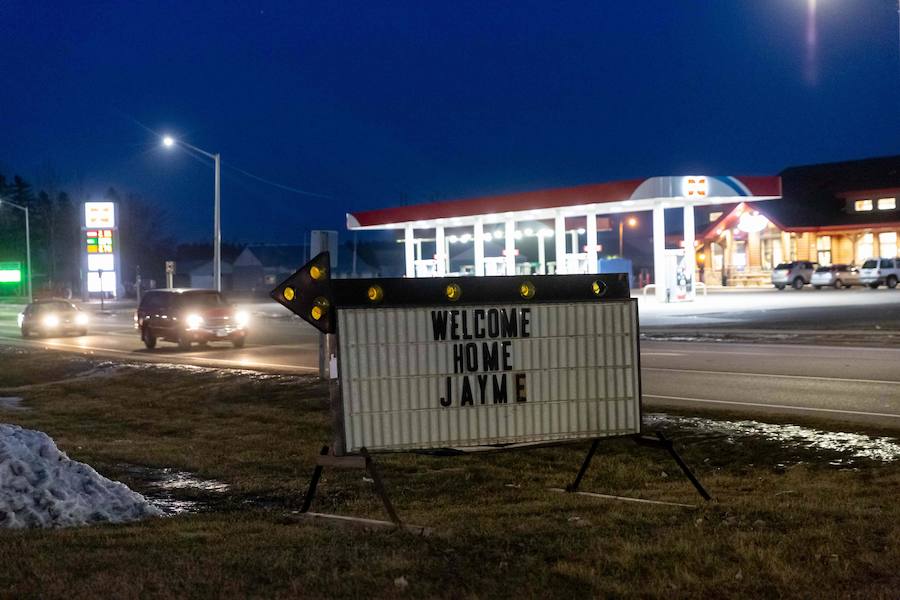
{"points": [[848, 384]]}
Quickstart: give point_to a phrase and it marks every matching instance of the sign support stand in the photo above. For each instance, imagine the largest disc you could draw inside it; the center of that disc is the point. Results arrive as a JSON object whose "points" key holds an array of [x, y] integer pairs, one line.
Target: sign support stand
{"points": [[660, 441], [364, 461]]}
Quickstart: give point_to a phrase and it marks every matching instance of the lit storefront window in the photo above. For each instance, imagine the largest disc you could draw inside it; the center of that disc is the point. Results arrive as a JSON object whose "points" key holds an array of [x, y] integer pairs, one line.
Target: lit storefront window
{"points": [[739, 258], [888, 243], [771, 253], [823, 248], [864, 247], [862, 205], [887, 203]]}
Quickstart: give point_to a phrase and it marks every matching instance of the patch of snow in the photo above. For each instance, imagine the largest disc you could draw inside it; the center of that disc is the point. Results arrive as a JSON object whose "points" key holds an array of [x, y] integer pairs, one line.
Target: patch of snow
{"points": [[42, 487], [854, 445]]}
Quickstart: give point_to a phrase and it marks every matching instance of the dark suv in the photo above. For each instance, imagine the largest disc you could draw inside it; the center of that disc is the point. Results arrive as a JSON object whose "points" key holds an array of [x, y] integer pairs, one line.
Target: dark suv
{"points": [[185, 316]]}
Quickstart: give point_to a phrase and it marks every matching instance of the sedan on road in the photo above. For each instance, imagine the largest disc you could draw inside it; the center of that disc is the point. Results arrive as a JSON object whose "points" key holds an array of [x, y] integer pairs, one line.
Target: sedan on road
{"points": [[836, 276], [52, 317]]}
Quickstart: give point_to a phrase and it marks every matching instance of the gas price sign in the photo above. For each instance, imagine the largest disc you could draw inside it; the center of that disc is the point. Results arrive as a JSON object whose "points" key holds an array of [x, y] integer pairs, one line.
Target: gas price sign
{"points": [[100, 238], [468, 362]]}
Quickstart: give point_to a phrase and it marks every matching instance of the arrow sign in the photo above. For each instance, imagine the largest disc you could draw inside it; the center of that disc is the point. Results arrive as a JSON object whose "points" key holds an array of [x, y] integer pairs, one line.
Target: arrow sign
{"points": [[311, 294], [307, 293]]}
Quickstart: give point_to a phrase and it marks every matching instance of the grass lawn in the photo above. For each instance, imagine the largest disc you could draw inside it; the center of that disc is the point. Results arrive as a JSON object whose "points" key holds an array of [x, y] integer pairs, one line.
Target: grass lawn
{"points": [[778, 527]]}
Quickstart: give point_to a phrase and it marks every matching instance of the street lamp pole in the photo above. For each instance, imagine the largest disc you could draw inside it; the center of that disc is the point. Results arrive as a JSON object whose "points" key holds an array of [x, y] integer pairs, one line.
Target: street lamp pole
{"points": [[27, 243], [217, 233], [621, 231], [168, 142]]}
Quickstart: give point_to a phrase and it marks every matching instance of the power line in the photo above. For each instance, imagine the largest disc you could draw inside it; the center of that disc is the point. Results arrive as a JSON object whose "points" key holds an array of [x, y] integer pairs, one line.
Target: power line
{"points": [[276, 184]]}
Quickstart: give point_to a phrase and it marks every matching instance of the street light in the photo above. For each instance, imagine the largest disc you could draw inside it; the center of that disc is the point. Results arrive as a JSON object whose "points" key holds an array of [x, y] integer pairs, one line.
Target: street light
{"points": [[170, 142], [632, 222], [27, 243]]}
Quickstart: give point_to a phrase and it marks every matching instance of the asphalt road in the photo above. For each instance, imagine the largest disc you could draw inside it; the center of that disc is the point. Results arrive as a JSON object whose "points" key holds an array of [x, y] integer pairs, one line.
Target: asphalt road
{"points": [[857, 309], [853, 385]]}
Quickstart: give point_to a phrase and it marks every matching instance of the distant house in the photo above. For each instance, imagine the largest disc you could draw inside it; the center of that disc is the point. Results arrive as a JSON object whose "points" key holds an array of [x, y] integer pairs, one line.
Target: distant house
{"points": [[200, 274], [261, 266]]}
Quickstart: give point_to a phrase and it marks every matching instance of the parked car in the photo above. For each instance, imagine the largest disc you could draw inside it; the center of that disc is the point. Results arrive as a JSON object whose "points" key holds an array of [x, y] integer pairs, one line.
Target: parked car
{"points": [[52, 317], [878, 271], [185, 316], [795, 274], [836, 276]]}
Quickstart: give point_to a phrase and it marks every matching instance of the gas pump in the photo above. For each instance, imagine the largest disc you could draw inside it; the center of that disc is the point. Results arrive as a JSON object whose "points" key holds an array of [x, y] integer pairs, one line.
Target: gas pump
{"points": [[679, 278]]}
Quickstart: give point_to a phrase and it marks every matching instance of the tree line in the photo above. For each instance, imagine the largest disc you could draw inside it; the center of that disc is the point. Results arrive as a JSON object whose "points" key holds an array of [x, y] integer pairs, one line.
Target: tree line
{"points": [[57, 247]]}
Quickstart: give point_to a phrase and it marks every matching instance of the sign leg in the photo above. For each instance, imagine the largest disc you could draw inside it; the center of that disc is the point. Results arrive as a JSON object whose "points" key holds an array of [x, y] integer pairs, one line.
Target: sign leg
{"points": [[573, 487], [379, 487], [662, 441], [313, 483]]}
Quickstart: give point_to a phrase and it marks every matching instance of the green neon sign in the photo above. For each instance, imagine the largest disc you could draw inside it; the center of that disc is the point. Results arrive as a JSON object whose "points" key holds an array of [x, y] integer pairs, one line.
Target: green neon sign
{"points": [[10, 272]]}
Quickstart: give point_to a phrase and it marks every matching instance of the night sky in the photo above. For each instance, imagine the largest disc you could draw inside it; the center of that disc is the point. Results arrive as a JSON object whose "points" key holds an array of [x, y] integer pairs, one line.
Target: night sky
{"points": [[376, 104]]}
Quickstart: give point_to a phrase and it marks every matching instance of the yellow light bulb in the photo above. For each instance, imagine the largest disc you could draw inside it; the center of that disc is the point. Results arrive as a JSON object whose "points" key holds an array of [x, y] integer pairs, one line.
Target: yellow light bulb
{"points": [[454, 292], [288, 293], [598, 287], [527, 290], [375, 293], [319, 309], [317, 272]]}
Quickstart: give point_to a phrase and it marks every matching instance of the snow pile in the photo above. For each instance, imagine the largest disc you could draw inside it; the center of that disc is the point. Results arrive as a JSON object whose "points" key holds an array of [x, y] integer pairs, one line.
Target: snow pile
{"points": [[42, 487]]}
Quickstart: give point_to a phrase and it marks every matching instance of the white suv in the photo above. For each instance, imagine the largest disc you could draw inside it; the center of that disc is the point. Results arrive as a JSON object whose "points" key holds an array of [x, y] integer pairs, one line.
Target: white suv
{"points": [[876, 271], [795, 274]]}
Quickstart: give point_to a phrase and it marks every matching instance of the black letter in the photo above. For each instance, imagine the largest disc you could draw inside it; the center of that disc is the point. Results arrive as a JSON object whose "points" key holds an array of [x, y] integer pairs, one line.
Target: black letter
{"points": [[466, 392], [482, 383], [439, 322], [509, 325], [479, 332], [499, 389], [446, 401], [491, 358], [465, 326], [526, 312], [520, 388], [454, 325], [493, 323], [458, 365], [506, 362], [471, 357]]}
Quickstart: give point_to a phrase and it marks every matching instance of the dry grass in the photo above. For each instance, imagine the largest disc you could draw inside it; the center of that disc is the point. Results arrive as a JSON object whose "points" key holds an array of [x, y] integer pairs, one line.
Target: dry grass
{"points": [[809, 530]]}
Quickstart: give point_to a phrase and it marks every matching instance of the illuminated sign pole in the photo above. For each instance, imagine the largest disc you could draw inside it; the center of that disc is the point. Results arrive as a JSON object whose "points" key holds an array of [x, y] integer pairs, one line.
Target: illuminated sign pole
{"points": [[467, 364], [101, 248]]}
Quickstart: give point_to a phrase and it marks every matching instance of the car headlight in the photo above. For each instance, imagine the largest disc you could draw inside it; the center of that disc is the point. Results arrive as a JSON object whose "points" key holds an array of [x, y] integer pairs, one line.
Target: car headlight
{"points": [[193, 321], [241, 318], [81, 319], [50, 321]]}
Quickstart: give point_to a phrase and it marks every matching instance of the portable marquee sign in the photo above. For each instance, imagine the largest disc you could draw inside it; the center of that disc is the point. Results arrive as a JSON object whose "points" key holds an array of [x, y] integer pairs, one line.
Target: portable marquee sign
{"points": [[471, 363]]}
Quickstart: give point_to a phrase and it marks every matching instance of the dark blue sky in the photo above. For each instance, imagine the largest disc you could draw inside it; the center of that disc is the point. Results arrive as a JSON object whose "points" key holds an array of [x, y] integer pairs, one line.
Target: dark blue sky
{"points": [[382, 103]]}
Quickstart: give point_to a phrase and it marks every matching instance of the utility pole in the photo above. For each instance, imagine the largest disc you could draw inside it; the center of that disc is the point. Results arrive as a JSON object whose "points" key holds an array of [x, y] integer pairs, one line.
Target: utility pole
{"points": [[217, 235]]}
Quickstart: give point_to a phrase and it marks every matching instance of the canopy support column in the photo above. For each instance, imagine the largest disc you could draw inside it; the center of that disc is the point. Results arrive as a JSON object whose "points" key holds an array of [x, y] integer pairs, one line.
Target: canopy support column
{"points": [[440, 251], [591, 229], [479, 248], [659, 252], [690, 258], [560, 237], [410, 249], [510, 246]]}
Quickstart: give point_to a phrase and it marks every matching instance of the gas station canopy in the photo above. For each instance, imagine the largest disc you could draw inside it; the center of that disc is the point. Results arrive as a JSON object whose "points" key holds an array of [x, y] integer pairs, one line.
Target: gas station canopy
{"points": [[560, 205]]}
